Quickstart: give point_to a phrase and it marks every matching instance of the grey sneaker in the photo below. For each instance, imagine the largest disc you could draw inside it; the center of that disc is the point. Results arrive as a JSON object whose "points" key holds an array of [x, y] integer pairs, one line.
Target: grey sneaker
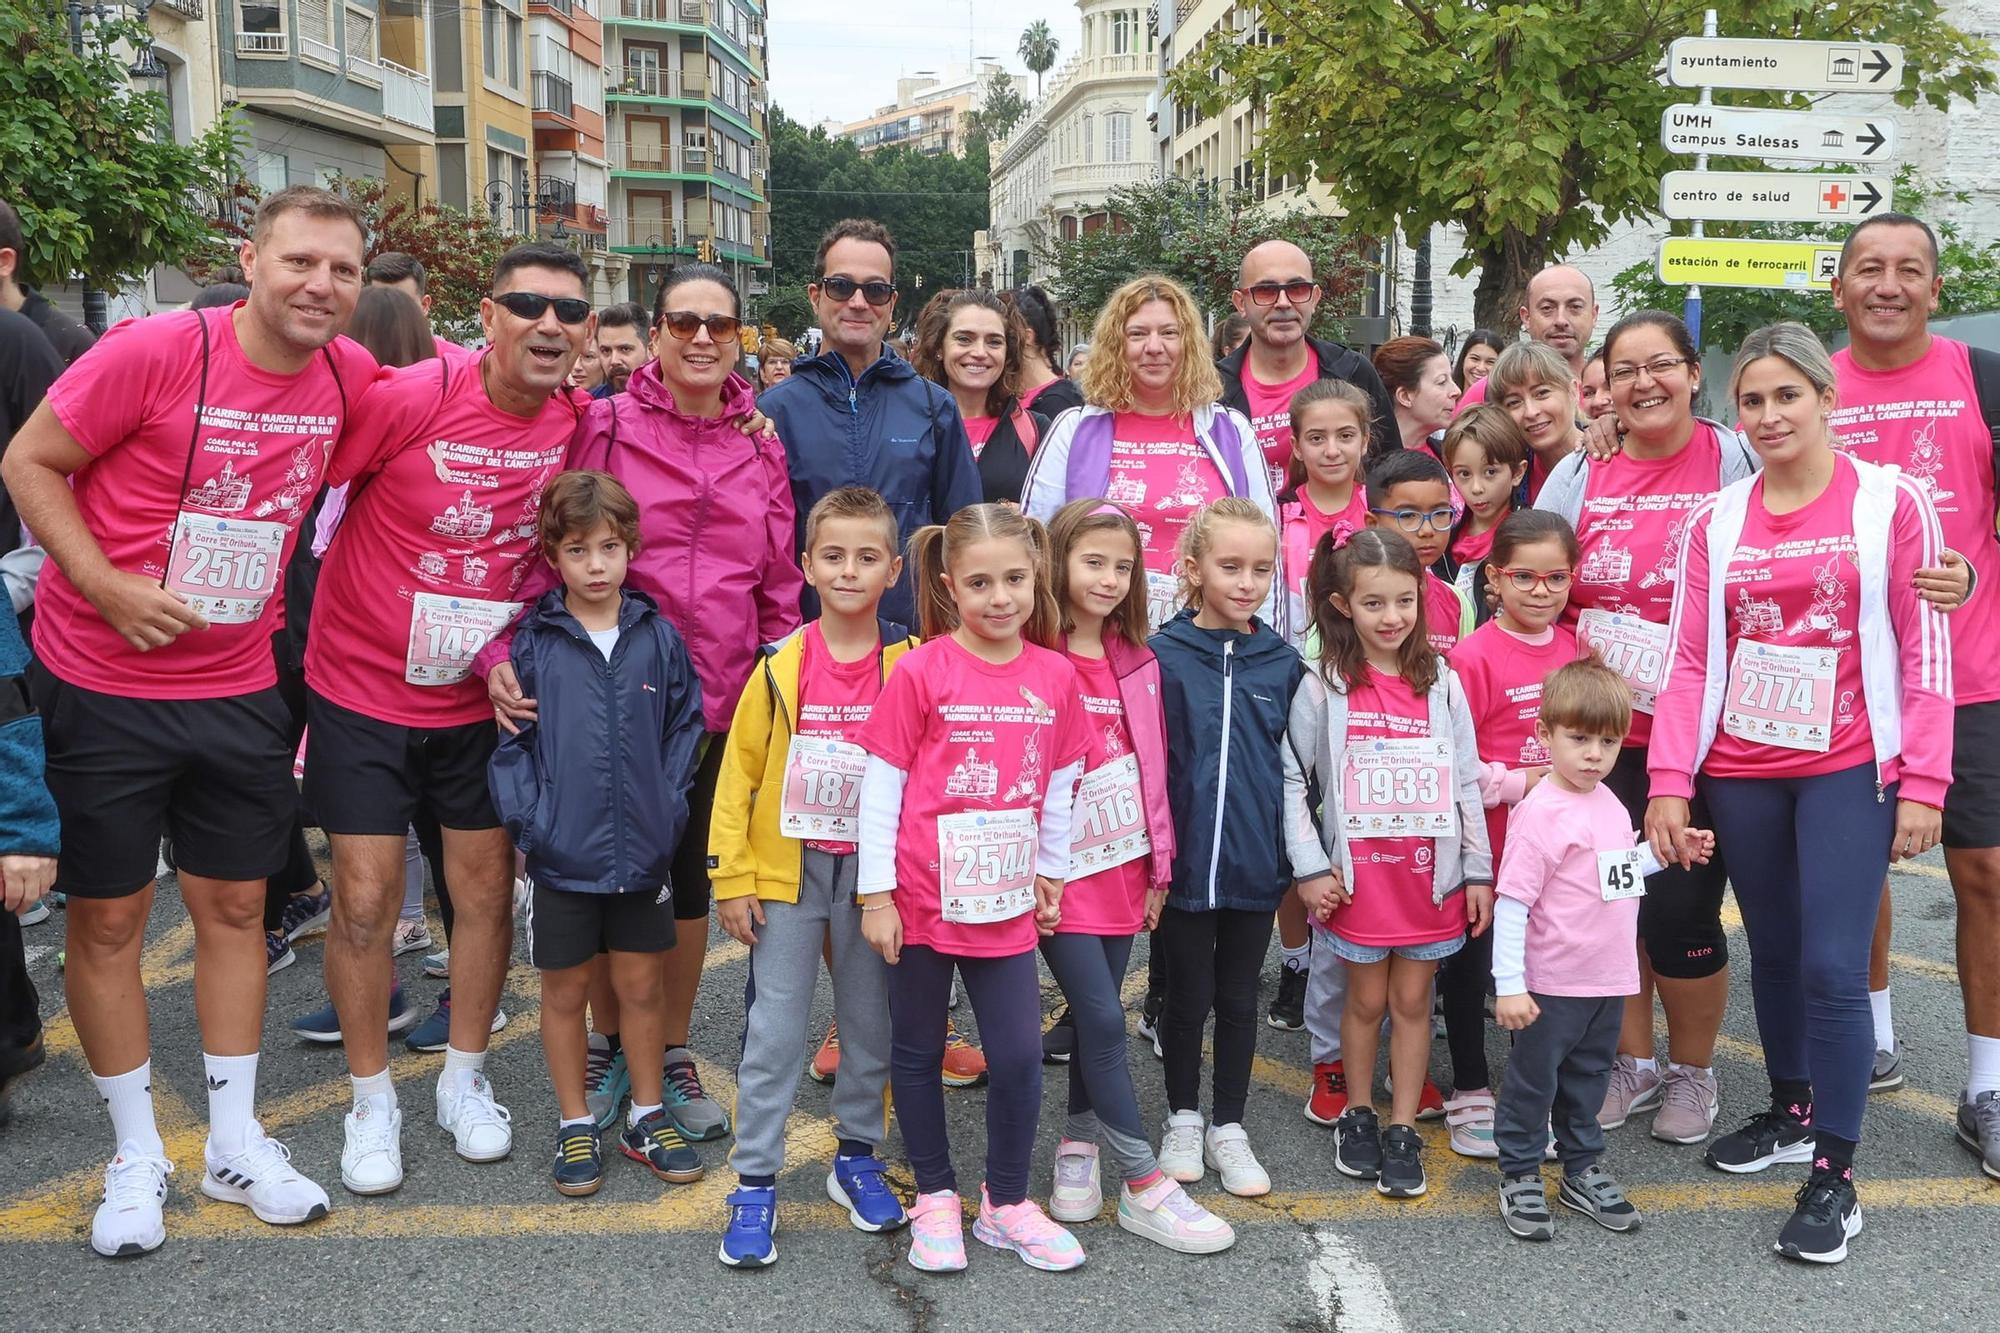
{"points": [[1979, 1129], [1597, 1196], [1888, 1072], [1524, 1207], [1688, 1106], [1631, 1091], [697, 1115]]}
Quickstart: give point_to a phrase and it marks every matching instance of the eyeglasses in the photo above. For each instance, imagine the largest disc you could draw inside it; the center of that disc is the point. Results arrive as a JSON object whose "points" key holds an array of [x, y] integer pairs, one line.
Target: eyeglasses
{"points": [[1527, 580], [1266, 293], [683, 323], [876, 292], [531, 305], [1416, 520], [1659, 368]]}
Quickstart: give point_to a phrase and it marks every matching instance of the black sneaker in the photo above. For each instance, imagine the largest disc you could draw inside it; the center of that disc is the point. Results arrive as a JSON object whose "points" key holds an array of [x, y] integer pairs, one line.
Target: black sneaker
{"points": [[1059, 1042], [1288, 1007], [1598, 1197], [1149, 1017], [1826, 1218], [1402, 1175], [1524, 1207], [1780, 1134], [579, 1167], [1357, 1144]]}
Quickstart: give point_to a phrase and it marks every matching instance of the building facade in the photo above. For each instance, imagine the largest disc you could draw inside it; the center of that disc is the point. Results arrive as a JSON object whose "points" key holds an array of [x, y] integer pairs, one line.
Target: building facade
{"points": [[571, 184], [931, 113]]}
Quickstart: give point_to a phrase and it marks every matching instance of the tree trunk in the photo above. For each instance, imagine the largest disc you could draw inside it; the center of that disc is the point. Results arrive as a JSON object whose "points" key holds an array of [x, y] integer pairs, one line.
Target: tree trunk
{"points": [[1505, 266]]}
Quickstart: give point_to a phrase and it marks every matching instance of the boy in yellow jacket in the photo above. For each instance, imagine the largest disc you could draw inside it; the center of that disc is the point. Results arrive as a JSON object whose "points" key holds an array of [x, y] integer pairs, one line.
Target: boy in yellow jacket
{"points": [[781, 857]]}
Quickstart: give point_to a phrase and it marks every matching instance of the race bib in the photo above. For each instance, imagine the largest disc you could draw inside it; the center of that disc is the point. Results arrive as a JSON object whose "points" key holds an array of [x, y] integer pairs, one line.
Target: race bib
{"points": [[1163, 598], [446, 633], [986, 865], [226, 568], [1635, 648], [822, 791], [1781, 696], [1619, 874], [1397, 789], [1110, 821]]}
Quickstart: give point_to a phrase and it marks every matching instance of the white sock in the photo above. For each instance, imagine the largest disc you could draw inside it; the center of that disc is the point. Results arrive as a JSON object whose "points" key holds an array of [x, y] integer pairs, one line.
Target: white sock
{"points": [[1982, 1065], [581, 1122], [129, 1097], [1648, 1066], [459, 1067], [1885, 1028], [375, 1085], [1298, 959], [1687, 1069], [232, 1099], [638, 1113]]}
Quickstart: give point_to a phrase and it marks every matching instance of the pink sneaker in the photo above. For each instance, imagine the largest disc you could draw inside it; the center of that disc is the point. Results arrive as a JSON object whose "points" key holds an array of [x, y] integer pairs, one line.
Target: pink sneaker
{"points": [[1164, 1213], [937, 1233], [1027, 1231]]}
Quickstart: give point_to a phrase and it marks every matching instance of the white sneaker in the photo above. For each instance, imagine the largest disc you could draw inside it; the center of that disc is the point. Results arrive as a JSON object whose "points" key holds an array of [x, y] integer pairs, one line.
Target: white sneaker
{"points": [[372, 1160], [480, 1128], [261, 1178], [1180, 1147], [1078, 1195], [1164, 1214], [131, 1219], [1227, 1149], [410, 937]]}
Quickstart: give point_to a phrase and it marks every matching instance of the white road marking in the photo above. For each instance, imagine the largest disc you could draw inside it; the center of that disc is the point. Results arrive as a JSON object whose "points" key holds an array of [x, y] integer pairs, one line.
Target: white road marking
{"points": [[1348, 1291]]}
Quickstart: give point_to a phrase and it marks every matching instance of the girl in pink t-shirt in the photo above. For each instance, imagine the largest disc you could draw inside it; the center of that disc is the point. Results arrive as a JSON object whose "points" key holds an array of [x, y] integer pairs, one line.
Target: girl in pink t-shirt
{"points": [[1323, 491], [1122, 856], [975, 748]]}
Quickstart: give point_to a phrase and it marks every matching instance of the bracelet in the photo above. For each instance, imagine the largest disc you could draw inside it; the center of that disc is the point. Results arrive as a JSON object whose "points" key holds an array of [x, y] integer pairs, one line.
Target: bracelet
{"points": [[876, 907]]}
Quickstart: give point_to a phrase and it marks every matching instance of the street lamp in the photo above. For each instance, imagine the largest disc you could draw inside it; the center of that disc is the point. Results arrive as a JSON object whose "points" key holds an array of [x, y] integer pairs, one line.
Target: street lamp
{"points": [[655, 244]]}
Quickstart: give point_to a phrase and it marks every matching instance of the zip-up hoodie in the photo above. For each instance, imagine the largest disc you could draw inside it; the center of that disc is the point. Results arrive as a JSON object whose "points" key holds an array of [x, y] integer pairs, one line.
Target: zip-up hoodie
{"points": [[1335, 363], [717, 548], [29, 825], [1137, 671], [1319, 742], [1905, 642], [594, 791], [747, 855], [1228, 699]]}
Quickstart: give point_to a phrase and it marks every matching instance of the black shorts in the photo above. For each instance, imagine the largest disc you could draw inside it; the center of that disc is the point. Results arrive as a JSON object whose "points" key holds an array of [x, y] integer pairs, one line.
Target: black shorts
{"points": [[690, 868], [215, 775], [1972, 806], [370, 777], [569, 929]]}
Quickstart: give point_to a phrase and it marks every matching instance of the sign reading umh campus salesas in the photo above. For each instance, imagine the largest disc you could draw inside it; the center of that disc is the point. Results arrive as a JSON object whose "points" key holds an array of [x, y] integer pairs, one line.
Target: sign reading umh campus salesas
{"points": [[1789, 136]]}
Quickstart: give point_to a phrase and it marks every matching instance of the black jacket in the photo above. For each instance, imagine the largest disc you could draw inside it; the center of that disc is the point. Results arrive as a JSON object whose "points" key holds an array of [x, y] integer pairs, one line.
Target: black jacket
{"points": [[70, 339], [29, 364], [1335, 363], [1003, 463], [1058, 397]]}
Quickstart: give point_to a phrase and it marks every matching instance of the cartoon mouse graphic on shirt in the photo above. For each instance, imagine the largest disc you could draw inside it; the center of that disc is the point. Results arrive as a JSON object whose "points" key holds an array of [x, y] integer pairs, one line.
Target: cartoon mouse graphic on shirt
{"points": [[1829, 597], [300, 479], [1670, 555], [1927, 460]]}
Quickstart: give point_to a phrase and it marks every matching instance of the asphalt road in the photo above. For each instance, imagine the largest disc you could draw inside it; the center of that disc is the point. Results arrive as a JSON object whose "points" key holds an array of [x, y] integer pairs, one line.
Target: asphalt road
{"points": [[494, 1247]]}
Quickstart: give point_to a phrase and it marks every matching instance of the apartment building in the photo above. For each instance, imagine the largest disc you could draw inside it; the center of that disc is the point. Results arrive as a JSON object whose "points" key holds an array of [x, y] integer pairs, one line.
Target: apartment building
{"points": [[571, 184], [931, 113]]}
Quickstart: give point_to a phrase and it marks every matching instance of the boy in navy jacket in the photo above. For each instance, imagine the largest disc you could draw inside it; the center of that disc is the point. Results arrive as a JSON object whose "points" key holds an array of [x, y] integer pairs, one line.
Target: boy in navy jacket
{"points": [[594, 792]]}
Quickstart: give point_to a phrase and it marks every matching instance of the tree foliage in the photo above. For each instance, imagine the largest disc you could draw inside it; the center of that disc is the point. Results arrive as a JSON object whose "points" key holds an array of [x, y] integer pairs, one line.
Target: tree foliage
{"points": [[1534, 126], [1000, 109], [1166, 227], [91, 164], [1038, 50]]}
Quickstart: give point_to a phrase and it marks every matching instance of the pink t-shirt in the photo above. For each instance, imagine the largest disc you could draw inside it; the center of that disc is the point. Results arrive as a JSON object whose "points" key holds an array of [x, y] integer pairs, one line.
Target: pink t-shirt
{"points": [[1470, 547], [1444, 612], [1503, 674], [439, 534], [972, 736], [1161, 473], [1578, 944], [1111, 902], [1306, 523], [979, 430], [835, 698], [1792, 581], [1271, 416], [1630, 528], [1924, 418], [1392, 876], [451, 351], [256, 462]]}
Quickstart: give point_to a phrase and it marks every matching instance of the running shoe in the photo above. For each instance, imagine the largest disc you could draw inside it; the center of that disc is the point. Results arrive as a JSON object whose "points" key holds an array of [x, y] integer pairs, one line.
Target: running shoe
{"points": [[579, 1166], [1827, 1216], [937, 1233], [1026, 1230], [1357, 1144], [861, 1186], [1776, 1134], [322, 1025], [826, 1060], [434, 1033], [1329, 1094], [698, 1116], [1164, 1214], [1288, 1007], [259, 1176], [1227, 1149], [1149, 1017], [1059, 1041], [132, 1218], [371, 1155], [1887, 1075], [1078, 1195], [607, 1081], [305, 913], [656, 1143], [410, 936], [1597, 1196], [1430, 1102], [1979, 1129], [481, 1129], [1402, 1173], [1469, 1116], [438, 964], [278, 953], [1689, 1103], [34, 916], [1180, 1147], [964, 1066], [12, 1066], [1524, 1207], [1632, 1090], [751, 1239]]}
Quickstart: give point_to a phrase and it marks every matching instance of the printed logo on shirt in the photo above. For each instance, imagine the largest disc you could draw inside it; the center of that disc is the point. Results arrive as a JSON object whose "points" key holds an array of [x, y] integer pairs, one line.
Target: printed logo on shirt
{"points": [[973, 777], [1186, 492], [1125, 491], [1030, 776], [1670, 554], [226, 492], [1606, 564], [1829, 598], [1759, 615]]}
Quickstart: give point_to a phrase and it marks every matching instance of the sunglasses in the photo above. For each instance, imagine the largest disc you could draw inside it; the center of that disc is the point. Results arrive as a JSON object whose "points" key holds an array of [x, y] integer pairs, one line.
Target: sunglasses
{"points": [[1527, 580], [876, 292], [683, 323], [530, 305], [1266, 293]]}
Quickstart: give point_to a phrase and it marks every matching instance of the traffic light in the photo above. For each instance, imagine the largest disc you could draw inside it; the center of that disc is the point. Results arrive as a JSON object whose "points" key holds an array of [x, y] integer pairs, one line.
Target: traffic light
{"points": [[706, 251]]}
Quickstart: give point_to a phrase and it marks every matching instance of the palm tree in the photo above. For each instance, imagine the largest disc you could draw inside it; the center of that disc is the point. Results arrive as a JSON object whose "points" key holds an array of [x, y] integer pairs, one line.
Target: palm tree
{"points": [[1038, 51]]}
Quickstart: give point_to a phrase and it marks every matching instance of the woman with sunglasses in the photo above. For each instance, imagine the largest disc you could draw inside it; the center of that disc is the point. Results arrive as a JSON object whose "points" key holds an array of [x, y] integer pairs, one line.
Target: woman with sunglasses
{"points": [[716, 551], [971, 343]]}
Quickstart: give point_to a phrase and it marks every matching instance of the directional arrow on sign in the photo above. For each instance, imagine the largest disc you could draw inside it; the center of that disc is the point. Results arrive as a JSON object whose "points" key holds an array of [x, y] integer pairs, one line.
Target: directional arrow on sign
{"points": [[1866, 196], [1877, 65], [1874, 139]]}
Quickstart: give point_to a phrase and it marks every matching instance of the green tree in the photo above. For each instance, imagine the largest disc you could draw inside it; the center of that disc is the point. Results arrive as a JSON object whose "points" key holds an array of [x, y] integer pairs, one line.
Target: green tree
{"points": [[1038, 50], [90, 163], [1534, 126], [1001, 108]]}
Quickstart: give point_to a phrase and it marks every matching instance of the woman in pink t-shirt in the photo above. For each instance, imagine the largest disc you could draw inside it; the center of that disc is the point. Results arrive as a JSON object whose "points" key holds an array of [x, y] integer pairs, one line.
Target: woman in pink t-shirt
{"points": [[1418, 375], [1810, 699], [971, 343]]}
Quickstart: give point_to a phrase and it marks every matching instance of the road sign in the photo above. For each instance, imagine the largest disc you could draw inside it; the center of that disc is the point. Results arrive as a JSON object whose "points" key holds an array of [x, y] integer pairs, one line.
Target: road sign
{"points": [[1801, 67], [1795, 265], [1795, 136], [1772, 196]]}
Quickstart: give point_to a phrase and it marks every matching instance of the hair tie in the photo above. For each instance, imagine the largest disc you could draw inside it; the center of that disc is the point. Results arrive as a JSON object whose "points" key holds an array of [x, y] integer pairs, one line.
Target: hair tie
{"points": [[1108, 508]]}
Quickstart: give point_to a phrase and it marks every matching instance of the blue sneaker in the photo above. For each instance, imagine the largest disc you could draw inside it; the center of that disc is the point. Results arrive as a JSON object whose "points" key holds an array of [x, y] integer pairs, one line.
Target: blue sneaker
{"points": [[753, 1225], [305, 913], [860, 1185], [655, 1144], [697, 1115], [322, 1025], [434, 1033], [579, 1165], [607, 1082]]}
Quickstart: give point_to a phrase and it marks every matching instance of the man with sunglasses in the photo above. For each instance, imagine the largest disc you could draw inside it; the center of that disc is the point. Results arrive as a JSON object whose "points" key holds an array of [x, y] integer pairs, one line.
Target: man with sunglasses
{"points": [[859, 415], [447, 471], [1276, 292]]}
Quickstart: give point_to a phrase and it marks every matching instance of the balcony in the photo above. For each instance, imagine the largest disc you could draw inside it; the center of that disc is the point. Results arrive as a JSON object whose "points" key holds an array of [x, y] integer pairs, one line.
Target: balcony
{"points": [[364, 69], [187, 9], [645, 81], [678, 12], [260, 44], [553, 94], [657, 158], [319, 52], [406, 97], [662, 235], [566, 8]]}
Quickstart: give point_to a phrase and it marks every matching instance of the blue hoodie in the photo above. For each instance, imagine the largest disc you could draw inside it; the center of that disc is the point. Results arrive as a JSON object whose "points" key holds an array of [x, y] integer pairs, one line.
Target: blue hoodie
{"points": [[891, 431], [28, 822], [1228, 699], [594, 791]]}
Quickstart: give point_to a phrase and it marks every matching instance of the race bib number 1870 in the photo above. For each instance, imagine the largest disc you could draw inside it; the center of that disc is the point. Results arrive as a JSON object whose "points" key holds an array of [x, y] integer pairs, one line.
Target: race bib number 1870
{"points": [[822, 792]]}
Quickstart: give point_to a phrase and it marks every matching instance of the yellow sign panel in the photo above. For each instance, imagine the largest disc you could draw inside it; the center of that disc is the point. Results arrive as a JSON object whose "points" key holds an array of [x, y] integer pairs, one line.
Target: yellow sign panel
{"points": [[1789, 265]]}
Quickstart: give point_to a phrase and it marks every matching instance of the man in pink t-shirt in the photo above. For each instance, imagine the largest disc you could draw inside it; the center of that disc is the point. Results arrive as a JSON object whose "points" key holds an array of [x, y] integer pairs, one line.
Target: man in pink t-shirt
{"points": [[447, 471], [167, 474], [1908, 399]]}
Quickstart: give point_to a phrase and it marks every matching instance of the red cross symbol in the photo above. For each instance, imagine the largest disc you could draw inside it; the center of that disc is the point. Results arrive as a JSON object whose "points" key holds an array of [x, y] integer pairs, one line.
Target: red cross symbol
{"points": [[1834, 197]]}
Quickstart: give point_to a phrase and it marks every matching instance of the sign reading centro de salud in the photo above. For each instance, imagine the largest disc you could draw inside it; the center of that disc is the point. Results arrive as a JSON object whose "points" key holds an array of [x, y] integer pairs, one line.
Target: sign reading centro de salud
{"points": [[1784, 66], [1713, 262], [1771, 196]]}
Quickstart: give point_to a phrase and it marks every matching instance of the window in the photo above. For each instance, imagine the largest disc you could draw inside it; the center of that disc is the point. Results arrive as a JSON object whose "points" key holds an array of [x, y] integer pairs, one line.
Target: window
{"points": [[273, 172], [316, 32], [500, 44], [360, 34], [1124, 31], [261, 20], [489, 37], [1118, 137], [1089, 137], [448, 55], [451, 175]]}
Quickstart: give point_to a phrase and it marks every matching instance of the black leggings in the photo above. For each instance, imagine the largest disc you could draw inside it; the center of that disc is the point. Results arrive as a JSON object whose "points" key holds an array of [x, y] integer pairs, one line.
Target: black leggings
{"points": [[1213, 960], [1680, 918], [1462, 982]]}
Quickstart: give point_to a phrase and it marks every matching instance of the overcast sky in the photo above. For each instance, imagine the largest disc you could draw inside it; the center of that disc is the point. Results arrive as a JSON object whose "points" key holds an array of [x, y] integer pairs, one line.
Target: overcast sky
{"points": [[841, 58]]}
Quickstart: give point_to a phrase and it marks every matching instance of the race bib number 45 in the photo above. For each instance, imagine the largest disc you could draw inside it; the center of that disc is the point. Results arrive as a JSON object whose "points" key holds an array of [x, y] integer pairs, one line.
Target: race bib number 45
{"points": [[986, 865], [446, 633], [1621, 874], [225, 568], [1781, 696], [1397, 789]]}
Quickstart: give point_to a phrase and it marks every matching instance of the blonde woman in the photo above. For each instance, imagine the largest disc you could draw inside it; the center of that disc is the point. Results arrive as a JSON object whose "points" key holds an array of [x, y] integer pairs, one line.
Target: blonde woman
{"points": [[1152, 435]]}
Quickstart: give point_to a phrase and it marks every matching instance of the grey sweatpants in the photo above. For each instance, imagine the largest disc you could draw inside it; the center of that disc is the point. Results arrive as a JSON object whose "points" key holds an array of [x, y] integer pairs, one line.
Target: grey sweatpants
{"points": [[777, 1011], [1556, 1079]]}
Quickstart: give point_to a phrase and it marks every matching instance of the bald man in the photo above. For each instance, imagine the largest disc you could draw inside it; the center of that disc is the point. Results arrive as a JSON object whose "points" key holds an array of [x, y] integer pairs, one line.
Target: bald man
{"points": [[1560, 309]]}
